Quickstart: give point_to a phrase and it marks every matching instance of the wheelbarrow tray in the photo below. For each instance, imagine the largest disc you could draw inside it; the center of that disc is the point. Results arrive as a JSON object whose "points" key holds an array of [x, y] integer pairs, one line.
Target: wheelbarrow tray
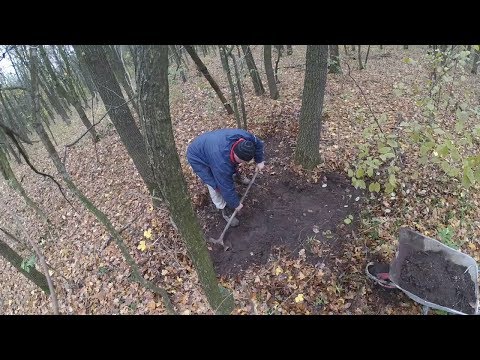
{"points": [[411, 241]]}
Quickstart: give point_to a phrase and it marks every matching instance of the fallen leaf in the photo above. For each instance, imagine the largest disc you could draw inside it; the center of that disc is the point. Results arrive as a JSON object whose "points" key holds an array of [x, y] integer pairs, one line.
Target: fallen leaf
{"points": [[142, 246], [299, 298], [148, 233]]}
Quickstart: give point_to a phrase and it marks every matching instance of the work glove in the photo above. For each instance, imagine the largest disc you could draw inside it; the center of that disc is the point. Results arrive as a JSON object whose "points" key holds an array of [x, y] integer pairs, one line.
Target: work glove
{"points": [[260, 166]]}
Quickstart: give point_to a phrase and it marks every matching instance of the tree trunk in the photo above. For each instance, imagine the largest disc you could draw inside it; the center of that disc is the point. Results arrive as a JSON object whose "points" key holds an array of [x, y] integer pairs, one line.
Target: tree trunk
{"points": [[120, 73], [101, 217], [240, 91], [334, 66], [203, 69], [156, 121], [279, 55], [360, 66], [12, 181], [353, 47], [226, 67], [252, 69], [366, 57], [308, 142], [119, 113], [289, 50], [178, 61], [475, 62], [16, 260], [267, 57]]}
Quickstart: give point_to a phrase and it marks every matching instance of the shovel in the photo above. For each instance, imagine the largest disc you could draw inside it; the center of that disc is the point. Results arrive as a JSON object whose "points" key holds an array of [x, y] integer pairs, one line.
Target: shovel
{"points": [[220, 239]]}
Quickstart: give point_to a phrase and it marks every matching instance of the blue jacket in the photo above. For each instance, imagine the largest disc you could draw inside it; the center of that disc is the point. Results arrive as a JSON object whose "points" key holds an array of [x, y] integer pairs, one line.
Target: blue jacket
{"points": [[209, 156]]}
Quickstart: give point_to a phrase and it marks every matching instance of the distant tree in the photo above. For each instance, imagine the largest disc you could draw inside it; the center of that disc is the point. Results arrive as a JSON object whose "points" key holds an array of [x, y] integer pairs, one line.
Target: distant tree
{"points": [[252, 69], [272, 86], [334, 66], [308, 141], [475, 61], [203, 69], [120, 114]]}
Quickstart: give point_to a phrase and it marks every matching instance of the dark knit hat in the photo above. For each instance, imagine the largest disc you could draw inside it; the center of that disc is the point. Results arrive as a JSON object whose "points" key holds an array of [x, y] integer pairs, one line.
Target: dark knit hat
{"points": [[245, 150]]}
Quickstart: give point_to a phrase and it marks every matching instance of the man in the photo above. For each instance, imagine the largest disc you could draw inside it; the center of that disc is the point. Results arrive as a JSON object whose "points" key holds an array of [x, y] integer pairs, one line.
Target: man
{"points": [[214, 156]]}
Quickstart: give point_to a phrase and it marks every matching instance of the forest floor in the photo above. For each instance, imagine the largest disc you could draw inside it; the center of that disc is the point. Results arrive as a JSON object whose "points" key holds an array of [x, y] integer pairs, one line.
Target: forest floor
{"points": [[304, 239]]}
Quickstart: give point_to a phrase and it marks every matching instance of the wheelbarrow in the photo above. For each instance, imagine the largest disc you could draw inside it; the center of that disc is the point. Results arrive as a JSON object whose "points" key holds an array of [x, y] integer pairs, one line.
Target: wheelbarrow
{"points": [[411, 243]]}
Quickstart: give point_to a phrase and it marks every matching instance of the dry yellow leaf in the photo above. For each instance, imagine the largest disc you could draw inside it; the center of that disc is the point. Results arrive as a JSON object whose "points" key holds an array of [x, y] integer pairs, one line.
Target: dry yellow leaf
{"points": [[299, 298], [142, 246], [278, 270], [148, 234], [472, 246], [151, 305]]}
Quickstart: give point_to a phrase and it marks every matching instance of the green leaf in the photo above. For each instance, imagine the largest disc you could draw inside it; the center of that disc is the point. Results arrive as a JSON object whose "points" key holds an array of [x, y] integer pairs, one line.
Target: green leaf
{"points": [[361, 184], [430, 106], [392, 143], [476, 47], [350, 172], [385, 149], [459, 126], [374, 187], [392, 180], [360, 173], [443, 150], [347, 221], [389, 188], [370, 171]]}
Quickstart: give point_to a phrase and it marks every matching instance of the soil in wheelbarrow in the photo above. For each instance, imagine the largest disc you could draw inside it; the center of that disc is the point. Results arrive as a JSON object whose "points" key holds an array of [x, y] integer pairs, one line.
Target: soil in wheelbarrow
{"points": [[282, 210], [430, 276]]}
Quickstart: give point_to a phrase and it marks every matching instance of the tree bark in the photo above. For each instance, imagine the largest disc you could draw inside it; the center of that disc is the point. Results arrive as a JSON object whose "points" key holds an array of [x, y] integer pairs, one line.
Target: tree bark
{"points": [[178, 62], [475, 62], [203, 69], [360, 66], [120, 73], [240, 91], [119, 112], [16, 260], [308, 142], [156, 121], [334, 66], [267, 57], [12, 181], [226, 67], [252, 69]]}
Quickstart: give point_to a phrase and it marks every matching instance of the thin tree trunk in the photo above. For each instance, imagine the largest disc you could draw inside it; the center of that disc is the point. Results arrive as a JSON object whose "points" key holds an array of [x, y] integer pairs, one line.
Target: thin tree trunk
{"points": [[203, 69], [366, 57], [353, 48], [289, 50], [308, 142], [360, 66], [475, 62], [156, 121], [12, 181], [224, 57], [253, 71], [178, 61], [345, 49], [334, 66], [240, 92], [279, 55], [119, 112], [101, 217], [16, 260], [119, 71], [267, 57]]}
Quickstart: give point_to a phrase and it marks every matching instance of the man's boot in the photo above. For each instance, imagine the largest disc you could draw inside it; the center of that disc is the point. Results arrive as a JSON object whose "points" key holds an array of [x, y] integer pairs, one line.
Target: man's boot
{"points": [[227, 214]]}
